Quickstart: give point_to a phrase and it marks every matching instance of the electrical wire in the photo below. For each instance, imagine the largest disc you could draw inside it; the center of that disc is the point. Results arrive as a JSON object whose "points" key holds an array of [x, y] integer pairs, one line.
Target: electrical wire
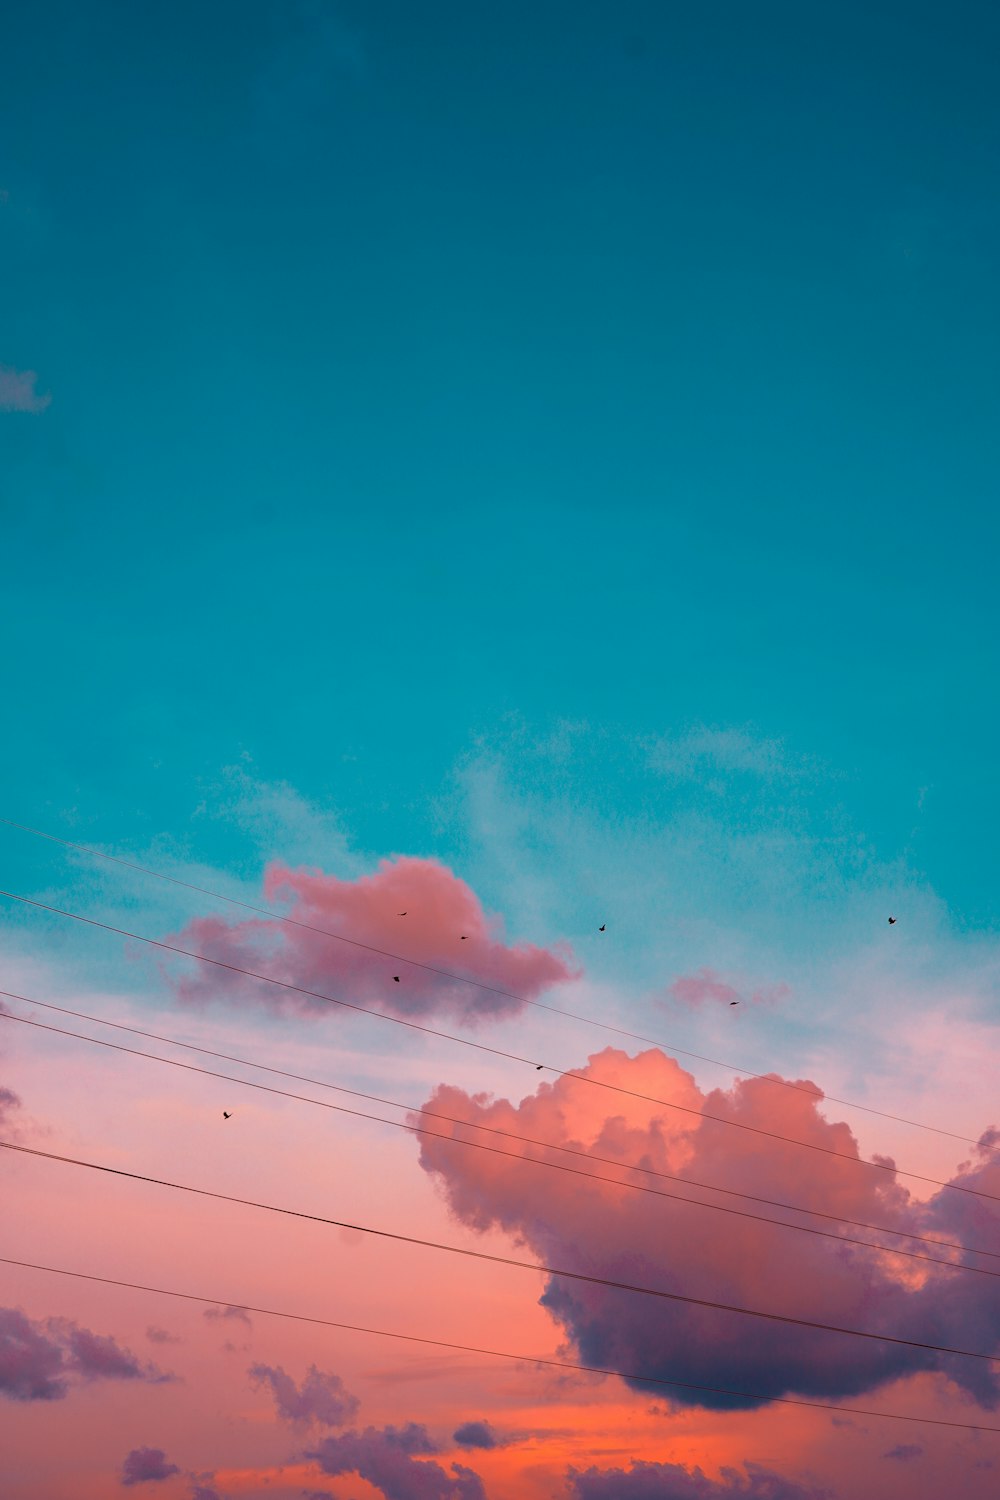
{"points": [[283, 984], [493, 989], [557, 1364], [490, 1258], [499, 1151]]}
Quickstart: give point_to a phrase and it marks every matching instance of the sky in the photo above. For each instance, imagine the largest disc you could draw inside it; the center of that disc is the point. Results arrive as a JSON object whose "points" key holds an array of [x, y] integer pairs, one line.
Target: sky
{"points": [[532, 467]]}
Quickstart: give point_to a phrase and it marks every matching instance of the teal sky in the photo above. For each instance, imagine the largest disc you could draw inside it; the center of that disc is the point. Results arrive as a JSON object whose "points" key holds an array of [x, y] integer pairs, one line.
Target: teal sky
{"points": [[425, 377]]}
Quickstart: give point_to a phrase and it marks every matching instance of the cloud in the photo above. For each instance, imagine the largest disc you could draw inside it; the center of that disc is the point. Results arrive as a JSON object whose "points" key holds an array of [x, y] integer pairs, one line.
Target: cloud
{"points": [[144, 1464], [391, 1459], [9, 1103], [228, 1314], [38, 1360], [707, 985], [476, 1435], [604, 1229], [322, 1399], [17, 391], [200, 1492], [161, 1336], [440, 908], [903, 1452], [653, 1481]]}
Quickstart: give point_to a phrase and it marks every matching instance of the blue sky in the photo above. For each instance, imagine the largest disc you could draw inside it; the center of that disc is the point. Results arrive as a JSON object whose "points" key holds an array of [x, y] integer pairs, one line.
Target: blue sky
{"points": [[425, 379]]}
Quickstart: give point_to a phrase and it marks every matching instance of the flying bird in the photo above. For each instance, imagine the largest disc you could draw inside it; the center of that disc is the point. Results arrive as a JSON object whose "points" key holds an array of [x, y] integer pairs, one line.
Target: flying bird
{"points": [[463, 938], [226, 1115], [539, 1067], [401, 914], [892, 921], [734, 1002], [395, 978], [602, 927]]}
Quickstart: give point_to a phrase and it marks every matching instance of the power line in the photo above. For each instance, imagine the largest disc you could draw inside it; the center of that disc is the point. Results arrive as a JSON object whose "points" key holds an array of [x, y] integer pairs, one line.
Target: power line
{"points": [[499, 1151], [284, 984], [493, 989], [505, 1260], [557, 1364]]}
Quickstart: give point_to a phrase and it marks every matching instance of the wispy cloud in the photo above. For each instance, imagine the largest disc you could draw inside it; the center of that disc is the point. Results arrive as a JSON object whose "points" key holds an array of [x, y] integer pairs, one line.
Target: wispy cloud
{"points": [[18, 393]]}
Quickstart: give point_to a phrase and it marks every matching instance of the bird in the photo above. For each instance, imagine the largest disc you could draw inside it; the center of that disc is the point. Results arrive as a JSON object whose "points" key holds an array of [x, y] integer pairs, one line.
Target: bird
{"points": [[463, 938], [734, 1002], [226, 1115], [539, 1067], [892, 921], [395, 978], [401, 914], [602, 927]]}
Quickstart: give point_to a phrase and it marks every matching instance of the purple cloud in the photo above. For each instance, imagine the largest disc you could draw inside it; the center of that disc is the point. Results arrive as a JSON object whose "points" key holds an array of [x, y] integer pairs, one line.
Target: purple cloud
{"points": [[37, 1359], [650, 1481], [388, 1458], [17, 391], [161, 1336], [903, 1452], [322, 1399], [230, 1314], [145, 1464], [476, 1435], [31, 1364], [199, 1492]]}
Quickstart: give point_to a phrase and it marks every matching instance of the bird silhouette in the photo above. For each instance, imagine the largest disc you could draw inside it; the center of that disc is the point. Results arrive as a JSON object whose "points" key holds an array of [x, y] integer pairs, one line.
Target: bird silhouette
{"points": [[401, 914], [226, 1115], [892, 921], [395, 978], [539, 1067], [463, 938], [602, 927], [734, 1002]]}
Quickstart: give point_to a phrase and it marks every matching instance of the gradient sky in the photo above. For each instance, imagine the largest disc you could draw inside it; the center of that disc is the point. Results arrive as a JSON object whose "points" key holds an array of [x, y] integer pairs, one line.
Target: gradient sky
{"points": [[539, 462]]}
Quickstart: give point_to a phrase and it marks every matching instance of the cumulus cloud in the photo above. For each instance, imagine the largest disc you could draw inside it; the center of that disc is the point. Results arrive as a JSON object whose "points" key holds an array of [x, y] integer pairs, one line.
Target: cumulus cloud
{"points": [[594, 1227], [706, 986], [17, 391], [144, 1464], [394, 1460], [476, 1435], [440, 909], [322, 1399], [38, 1360], [651, 1481]]}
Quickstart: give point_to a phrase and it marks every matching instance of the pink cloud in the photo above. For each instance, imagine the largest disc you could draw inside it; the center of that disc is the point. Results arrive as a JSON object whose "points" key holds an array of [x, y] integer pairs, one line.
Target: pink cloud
{"points": [[17, 391], [598, 1228], [445, 927], [706, 985]]}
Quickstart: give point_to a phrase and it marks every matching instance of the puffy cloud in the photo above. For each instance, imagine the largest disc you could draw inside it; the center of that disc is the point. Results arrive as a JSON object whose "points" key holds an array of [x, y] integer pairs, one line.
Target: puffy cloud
{"points": [[476, 1435], [144, 1464], [599, 1228], [322, 1398], [17, 391], [706, 985], [31, 1364], [440, 909], [37, 1360], [651, 1481], [393, 1459]]}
